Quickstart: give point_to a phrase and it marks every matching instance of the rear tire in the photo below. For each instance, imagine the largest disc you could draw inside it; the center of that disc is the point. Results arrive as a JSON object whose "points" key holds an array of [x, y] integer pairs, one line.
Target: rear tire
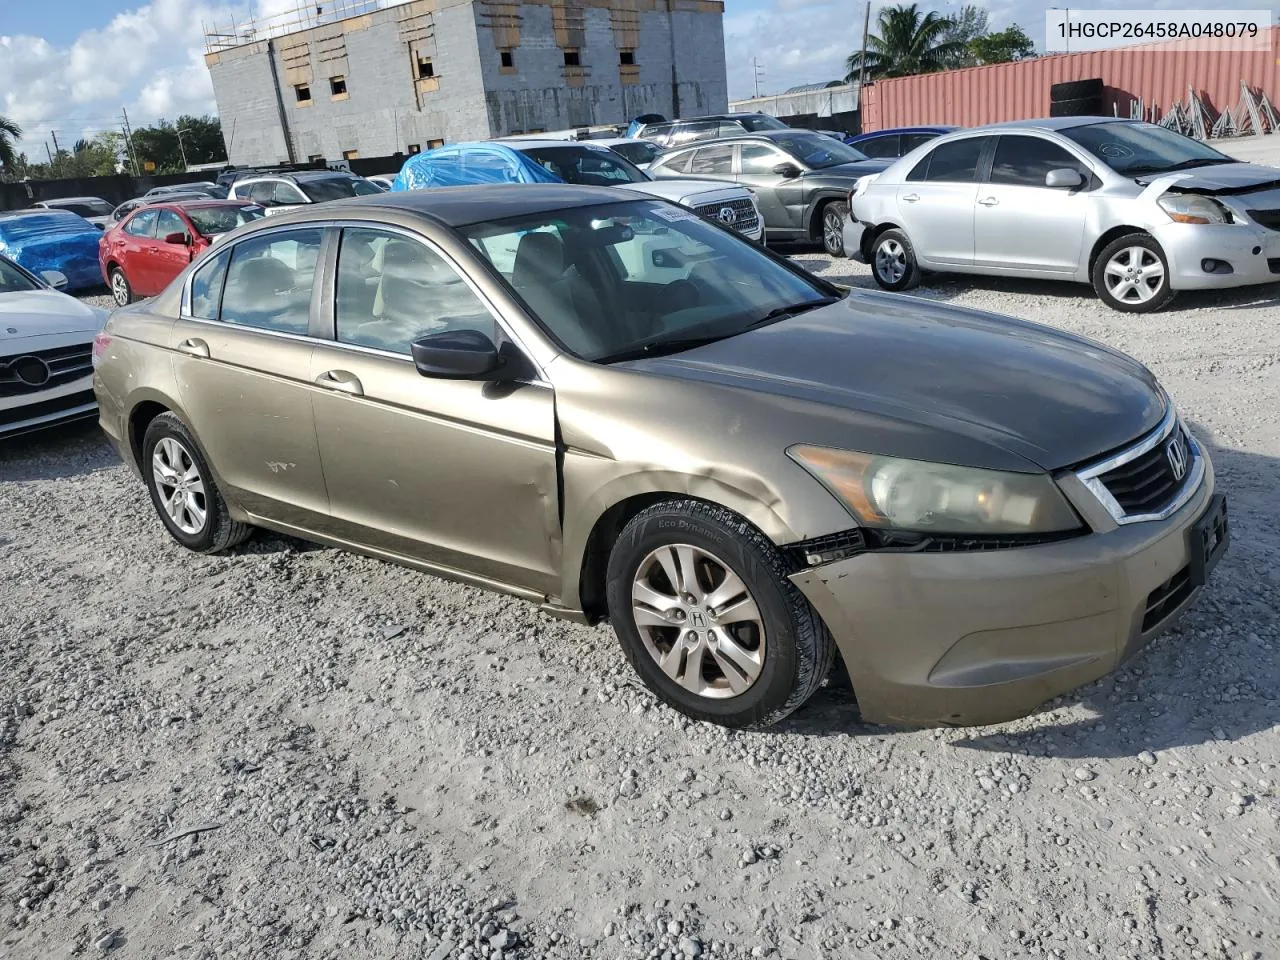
{"points": [[734, 642], [893, 261], [121, 291], [183, 490], [832, 217]]}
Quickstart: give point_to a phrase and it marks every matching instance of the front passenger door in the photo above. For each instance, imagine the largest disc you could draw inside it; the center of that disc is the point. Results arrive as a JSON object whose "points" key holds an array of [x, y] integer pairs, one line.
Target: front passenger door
{"points": [[781, 200], [460, 474]]}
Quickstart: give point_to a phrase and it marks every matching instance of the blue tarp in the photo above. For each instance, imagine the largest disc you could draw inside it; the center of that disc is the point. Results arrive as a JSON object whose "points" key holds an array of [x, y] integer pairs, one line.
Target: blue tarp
{"points": [[463, 164], [54, 240]]}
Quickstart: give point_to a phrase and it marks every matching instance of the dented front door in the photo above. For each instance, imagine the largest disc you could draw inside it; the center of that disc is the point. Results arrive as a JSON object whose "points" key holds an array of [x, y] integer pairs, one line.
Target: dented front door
{"points": [[456, 473]]}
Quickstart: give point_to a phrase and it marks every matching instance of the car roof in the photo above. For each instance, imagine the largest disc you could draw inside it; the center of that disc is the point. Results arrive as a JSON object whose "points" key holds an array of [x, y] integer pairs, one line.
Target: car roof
{"points": [[520, 144], [1052, 123], [927, 128], [463, 206], [719, 116], [194, 203], [74, 200]]}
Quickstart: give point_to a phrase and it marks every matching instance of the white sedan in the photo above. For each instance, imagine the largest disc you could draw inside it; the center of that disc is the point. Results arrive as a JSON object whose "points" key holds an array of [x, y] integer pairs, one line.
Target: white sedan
{"points": [[46, 352]]}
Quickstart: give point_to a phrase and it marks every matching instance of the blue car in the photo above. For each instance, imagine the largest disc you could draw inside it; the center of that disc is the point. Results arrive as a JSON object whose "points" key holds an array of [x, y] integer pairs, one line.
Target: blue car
{"points": [[40, 240], [898, 142]]}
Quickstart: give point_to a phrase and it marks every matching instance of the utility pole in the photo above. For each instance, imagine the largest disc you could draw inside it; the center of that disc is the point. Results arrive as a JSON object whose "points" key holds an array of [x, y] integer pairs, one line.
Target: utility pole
{"points": [[56, 149], [862, 65], [47, 153], [755, 72], [128, 141]]}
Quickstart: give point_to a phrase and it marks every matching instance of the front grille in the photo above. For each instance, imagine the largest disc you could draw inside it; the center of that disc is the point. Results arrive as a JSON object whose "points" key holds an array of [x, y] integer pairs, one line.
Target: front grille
{"points": [[64, 365], [1166, 598], [744, 214], [1265, 218], [1147, 483], [44, 408]]}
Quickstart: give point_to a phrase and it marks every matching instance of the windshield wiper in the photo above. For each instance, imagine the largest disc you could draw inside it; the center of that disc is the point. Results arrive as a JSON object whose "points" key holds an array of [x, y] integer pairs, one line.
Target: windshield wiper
{"points": [[791, 310], [1182, 165]]}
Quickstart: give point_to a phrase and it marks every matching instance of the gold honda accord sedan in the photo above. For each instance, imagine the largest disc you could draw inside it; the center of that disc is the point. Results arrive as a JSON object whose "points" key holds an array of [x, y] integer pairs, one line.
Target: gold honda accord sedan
{"points": [[614, 409]]}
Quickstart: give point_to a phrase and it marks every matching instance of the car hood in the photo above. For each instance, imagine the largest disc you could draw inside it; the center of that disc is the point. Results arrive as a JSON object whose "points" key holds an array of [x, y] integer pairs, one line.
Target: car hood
{"points": [[1222, 179], [689, 191], [858, 168], [38, 313], [1049, 398]]}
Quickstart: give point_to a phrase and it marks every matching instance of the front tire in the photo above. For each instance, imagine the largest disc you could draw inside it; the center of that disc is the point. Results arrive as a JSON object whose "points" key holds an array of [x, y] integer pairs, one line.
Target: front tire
{"points": [[701, 604], [1131, 274], [893, 261], [183, 490], [833, 217], [121, 291]]}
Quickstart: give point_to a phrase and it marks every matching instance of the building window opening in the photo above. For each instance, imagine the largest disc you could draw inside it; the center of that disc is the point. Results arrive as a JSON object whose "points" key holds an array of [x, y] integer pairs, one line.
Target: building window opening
{"points": [[350, 154], [415, 148], [302, 92], [627, 58], [338, 86], [508, 59], [425, 67], [572, 59]]}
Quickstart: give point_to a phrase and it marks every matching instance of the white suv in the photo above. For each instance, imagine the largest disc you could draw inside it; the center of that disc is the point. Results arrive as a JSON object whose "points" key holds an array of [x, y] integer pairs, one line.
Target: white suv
{"points": [[285, 191]]}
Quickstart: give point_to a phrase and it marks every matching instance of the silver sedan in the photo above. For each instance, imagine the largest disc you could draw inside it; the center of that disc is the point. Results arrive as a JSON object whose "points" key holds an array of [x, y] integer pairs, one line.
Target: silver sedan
{"points": [[1135, 210]]}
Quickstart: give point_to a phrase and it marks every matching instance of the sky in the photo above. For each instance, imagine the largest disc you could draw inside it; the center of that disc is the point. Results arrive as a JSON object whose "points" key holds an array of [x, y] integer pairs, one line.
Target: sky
{"points": [[69, 67]]}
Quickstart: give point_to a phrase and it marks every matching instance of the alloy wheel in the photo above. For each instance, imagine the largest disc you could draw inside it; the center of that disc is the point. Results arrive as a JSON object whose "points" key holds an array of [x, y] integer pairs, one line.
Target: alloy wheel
{"points": [[833, 232], [698, 621], [119, 287], [1134, 275], [891, 261], [180, 486]]}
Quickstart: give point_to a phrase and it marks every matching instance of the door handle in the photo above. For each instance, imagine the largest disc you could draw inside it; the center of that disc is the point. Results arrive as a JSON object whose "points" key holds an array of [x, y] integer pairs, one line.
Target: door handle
{"points": [[988, 201], [195, 347], [911, 197], [342, 381]]}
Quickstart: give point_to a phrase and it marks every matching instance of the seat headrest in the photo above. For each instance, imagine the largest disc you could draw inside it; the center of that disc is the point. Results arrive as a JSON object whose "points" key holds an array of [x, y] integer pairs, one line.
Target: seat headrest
{"points": [[539, 259]]}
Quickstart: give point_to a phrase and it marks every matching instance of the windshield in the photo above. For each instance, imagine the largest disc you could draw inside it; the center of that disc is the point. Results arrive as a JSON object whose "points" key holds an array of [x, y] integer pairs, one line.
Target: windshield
{"points": [[337, 188], [762, 122], [636, 151], [1143, 147], [818, 151], [84, 208], [214, 220], [13, 280], [639, 278], [587, 166]]}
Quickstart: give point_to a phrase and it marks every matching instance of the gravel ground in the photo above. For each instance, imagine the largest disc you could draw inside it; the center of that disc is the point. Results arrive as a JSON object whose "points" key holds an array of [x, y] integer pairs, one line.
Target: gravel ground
{"points": [[294, 752]]}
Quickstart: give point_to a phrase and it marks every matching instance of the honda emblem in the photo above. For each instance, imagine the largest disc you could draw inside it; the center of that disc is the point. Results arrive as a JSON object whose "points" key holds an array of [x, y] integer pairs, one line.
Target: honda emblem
{"points": [[1176, 451]]}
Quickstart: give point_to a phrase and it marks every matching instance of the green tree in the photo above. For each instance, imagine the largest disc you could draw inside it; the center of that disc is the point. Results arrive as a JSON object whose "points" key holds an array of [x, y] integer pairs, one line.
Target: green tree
{"points": [[1009, 44], [906, 42], [158, 143], [966, 26], [10, 134]]}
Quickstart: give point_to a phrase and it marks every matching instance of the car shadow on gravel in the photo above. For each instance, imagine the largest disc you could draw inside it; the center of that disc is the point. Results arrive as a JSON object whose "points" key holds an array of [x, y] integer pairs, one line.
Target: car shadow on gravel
{"points": [[72, 450], [1212, 677]]}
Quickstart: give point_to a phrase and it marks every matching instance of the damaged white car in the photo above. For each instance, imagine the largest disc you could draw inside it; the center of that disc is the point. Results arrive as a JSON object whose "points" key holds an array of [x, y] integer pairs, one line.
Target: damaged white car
{"points": [[1135, 210]]}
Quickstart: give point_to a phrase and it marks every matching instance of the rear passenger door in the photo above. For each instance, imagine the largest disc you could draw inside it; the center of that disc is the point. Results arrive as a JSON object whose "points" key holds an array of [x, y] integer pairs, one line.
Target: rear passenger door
{"points": [[242, 356], [936, 201], [460, 474]]}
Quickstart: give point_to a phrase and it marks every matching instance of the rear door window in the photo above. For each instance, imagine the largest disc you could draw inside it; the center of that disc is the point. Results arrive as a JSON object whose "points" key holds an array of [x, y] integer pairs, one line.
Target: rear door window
{"points": [[953, 162], [677, 163], [714, 161], [880, 147], [270, 279], [206, 287], [143, 224]]}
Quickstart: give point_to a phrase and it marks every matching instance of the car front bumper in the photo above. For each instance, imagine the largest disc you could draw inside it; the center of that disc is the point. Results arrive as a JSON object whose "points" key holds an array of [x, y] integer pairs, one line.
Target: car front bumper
{"points": [[985, 637], [853, 231], [1251, 252], [40, 409]]}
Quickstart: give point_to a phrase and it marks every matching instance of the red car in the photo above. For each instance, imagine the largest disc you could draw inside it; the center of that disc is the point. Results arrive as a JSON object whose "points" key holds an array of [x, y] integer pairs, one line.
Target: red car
{"points": [[151, 246]]}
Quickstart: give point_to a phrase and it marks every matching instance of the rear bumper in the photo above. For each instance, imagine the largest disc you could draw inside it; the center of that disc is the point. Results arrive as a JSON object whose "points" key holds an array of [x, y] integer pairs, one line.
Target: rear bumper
{"points": [[972, 638]]}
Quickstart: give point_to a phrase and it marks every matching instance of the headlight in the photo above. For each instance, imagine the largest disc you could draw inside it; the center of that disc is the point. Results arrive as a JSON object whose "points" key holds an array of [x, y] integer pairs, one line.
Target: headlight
{"points": [[1190, 208], [890, 492]]}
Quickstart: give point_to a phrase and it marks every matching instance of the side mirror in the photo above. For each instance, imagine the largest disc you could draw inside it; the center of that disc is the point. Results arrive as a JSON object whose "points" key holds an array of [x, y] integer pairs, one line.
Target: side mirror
{"points": [[1064, 177], [455, 355], [788, 170], [179, 238], [54, 278], [667, 258]]}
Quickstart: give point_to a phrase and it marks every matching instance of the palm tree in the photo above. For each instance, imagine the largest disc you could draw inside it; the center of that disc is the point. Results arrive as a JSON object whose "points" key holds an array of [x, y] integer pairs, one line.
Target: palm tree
{"points": [[907, 41], [10, 133]]}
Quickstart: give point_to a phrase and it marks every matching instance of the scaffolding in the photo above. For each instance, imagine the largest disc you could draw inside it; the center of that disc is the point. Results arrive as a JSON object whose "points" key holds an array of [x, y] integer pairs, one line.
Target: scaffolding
{"points": [[237, 31]]}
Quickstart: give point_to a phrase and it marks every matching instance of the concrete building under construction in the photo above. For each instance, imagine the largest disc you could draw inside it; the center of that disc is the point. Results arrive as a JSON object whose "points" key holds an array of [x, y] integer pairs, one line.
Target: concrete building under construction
{"points": [[358, 78]]}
